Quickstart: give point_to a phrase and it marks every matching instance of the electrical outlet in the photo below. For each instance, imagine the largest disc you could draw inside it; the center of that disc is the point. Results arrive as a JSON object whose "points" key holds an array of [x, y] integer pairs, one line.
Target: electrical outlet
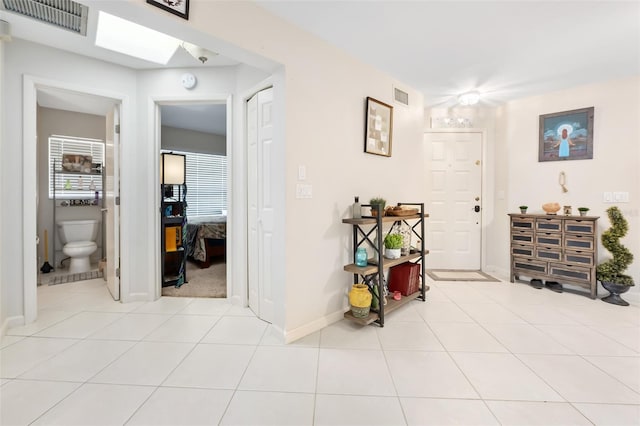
{"points": [[304, 191]]}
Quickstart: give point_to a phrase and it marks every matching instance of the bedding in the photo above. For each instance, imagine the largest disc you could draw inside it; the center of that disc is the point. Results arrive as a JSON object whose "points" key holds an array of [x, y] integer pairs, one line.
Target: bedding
{"points": [[200, 231]]}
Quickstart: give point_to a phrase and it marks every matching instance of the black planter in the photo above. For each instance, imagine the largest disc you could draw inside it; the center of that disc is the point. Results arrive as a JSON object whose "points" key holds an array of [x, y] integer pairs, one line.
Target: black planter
{"points": [[616, 290]]}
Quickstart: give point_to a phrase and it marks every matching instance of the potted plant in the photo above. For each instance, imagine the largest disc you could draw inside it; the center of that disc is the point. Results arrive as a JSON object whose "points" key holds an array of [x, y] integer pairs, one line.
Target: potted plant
{"points": [[392, 245], [610, 272], [377, 201], [583, 210], [523, 209]]}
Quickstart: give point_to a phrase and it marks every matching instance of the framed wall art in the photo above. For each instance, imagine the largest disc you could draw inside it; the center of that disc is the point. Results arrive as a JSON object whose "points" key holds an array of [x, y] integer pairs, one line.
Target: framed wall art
{"points": [[378, 128], [566, 135], [177, 7]]}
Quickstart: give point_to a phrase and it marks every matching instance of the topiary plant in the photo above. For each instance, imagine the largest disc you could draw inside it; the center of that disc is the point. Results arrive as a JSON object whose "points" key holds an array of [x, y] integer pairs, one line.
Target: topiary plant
{"points": [[612, 269], [393, 241]]}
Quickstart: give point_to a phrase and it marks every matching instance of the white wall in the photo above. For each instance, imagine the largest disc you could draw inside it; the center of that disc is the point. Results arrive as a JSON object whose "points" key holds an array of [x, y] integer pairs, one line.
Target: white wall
{"points": [[173, 138], [322, 93], [25, 58], [615, 165]]}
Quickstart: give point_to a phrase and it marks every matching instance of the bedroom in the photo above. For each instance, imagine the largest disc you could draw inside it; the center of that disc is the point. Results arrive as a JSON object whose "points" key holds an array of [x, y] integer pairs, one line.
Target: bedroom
{"points": [[199, 132]]}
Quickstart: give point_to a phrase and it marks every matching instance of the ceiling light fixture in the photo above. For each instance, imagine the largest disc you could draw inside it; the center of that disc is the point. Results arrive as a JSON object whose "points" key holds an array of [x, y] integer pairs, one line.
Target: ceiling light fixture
{"points": [[135, 40], [200, 53], [469, 98]]}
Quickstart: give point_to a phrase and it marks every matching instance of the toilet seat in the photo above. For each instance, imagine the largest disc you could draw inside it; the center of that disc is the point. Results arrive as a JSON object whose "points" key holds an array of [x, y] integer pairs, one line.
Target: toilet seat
{"points": [[81, 245]]}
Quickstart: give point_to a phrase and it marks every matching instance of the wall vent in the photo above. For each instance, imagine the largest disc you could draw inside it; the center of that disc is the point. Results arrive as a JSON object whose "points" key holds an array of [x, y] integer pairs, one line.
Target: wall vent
{"points": [[65, 14], [400, 96]]}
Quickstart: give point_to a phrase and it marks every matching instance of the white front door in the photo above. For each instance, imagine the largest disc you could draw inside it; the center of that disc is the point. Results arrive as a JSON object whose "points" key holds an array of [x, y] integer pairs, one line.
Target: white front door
{"points": [[454, 170], [111, 206], [261, 209]]}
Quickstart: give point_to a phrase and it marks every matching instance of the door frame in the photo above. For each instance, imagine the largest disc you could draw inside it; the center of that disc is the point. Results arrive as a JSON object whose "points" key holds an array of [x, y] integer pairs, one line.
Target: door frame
{"points": [[31, 85], [487, 202], [154, 109]]}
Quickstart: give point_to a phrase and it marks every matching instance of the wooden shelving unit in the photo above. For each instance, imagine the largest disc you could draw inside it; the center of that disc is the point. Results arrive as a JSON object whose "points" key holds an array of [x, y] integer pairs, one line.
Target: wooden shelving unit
{"points": [[364, 230]]}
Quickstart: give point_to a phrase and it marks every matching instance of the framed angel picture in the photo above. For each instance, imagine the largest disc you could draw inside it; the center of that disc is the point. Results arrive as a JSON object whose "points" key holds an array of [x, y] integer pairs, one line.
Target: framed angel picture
{"points": [[177, 7], [566, 135]]}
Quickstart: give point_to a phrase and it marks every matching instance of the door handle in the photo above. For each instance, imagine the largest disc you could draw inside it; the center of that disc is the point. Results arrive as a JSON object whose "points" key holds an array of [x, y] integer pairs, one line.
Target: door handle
{"points": [[104, 210], [476, 208]]}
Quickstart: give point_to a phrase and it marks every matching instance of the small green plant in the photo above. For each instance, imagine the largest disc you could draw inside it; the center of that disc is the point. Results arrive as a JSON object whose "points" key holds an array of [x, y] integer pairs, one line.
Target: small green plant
{"points": [[523, 207], [393, 241], [378, 201], [583, 209], [612, 269]]}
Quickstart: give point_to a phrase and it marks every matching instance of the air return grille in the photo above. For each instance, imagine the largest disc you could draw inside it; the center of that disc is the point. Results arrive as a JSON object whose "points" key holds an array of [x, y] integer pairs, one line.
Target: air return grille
{"points": [[65, 14]]}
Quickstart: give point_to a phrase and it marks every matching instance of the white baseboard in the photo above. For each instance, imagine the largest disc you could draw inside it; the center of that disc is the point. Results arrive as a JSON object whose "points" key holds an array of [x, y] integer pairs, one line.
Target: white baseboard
{"points": [[11, 322], [312, 327], [497, 272]]}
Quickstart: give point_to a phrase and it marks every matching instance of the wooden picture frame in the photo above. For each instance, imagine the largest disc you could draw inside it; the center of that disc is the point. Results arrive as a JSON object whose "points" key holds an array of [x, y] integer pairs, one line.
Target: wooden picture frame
{"points": [[177, 7], [378, 129], [566, 135]]}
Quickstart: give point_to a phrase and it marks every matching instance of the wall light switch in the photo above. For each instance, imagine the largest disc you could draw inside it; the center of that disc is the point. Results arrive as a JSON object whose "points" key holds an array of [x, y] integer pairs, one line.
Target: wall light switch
{"points": [[621, 197], [607, 197], [302, 172]]}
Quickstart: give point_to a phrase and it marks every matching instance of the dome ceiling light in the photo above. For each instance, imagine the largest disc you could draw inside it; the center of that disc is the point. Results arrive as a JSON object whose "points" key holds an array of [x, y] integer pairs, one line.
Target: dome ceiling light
{"points": [[469, 98]]}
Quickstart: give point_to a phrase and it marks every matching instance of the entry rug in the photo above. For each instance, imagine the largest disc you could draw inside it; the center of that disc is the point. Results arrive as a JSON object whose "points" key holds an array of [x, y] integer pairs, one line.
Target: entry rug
{"points": [[459, 275], [63, 279]]}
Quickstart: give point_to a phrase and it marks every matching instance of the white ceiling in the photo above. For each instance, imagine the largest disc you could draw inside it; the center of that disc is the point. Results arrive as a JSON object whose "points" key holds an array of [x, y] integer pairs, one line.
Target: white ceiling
{"points": [[207, 118], [505, 49]]}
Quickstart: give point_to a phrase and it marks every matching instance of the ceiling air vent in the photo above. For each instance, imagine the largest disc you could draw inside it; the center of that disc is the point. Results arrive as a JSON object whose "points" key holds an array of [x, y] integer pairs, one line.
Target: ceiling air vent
{"points": [[65, 14], [400, 96]]}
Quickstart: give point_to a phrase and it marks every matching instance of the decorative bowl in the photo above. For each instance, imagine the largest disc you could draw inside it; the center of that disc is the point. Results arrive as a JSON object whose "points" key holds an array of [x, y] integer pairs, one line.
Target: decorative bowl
{"points": [[551, 208]]}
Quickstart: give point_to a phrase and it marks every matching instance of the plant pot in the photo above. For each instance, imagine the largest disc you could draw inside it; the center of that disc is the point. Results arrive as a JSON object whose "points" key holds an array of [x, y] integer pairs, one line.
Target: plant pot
{"points": [[616, 290], [582, 212], [374, 212], [392, 253], [523, 211], [360, 300]]}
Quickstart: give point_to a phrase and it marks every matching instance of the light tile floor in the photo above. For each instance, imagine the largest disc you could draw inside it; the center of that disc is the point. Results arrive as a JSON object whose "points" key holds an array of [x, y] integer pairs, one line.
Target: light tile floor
{"points": [[475, 353]]}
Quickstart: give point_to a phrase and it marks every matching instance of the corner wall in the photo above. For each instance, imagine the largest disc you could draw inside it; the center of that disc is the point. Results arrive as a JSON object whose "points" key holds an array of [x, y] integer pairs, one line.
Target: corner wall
{"points": [[615, 165]]}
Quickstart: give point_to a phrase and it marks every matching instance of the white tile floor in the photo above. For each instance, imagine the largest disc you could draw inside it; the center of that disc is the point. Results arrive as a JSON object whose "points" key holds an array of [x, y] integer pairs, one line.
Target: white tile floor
{"points": [[474, 353]]}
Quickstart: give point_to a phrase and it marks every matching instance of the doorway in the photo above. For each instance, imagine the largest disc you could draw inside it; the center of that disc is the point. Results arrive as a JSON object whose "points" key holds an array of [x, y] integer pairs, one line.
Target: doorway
{"points": [[198, 131], [48, 94], [454, 190]]}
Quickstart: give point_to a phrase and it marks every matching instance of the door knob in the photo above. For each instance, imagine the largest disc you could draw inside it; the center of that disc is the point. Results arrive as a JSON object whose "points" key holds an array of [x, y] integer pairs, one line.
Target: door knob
{"points": [[476, 209]]}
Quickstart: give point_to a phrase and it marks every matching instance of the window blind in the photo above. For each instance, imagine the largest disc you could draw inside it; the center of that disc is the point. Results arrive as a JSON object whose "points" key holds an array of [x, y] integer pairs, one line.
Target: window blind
{"points": [[206, 183], [79, 183]]}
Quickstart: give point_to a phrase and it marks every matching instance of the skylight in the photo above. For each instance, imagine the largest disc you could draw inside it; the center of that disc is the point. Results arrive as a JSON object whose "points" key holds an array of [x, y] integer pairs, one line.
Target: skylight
{"points": [[126, 37]]}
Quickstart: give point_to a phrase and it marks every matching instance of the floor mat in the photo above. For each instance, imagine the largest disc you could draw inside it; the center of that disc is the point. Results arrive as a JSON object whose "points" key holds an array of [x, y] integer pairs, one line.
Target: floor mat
{"points": [[459, 275], [63, 279]]}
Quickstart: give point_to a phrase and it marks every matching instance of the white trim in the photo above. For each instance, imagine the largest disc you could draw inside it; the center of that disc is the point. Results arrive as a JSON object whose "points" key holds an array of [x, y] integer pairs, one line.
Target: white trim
{"points": [[31, 84], [487, 202], [11, 322], [154, 129], [312, 327]]}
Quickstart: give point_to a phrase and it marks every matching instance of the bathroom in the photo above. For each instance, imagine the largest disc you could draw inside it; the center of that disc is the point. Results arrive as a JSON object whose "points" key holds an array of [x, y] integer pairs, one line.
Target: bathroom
{"points": [[76, 200]]}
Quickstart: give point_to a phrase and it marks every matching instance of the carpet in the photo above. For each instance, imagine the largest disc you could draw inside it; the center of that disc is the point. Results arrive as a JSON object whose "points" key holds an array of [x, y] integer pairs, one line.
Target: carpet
{"points": [[459, 275], [69, 278], [207, 282]]}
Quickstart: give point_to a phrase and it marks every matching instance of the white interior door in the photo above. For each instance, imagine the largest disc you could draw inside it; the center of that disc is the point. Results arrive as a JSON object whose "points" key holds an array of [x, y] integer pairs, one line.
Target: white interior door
{"points": [[111, 206], [261, 211], [453, 161]]}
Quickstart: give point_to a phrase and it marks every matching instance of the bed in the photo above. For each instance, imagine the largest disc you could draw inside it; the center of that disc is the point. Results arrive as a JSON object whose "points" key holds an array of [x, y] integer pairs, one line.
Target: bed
{"points": [[207, 239]]}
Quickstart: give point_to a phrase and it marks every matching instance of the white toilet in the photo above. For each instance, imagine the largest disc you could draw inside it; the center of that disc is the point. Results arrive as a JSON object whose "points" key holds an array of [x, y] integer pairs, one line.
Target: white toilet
{"points": [[78, 237]]}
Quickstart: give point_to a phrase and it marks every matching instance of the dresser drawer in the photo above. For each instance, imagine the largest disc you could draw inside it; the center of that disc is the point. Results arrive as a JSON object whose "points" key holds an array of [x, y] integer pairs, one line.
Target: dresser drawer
{"points": [[579, 242], [525, 265], [579, 226], [548, 239], [548, 225], [545, 253], [522, 223], [578, 257], [521, 237], [522, 250], [570, 272]]}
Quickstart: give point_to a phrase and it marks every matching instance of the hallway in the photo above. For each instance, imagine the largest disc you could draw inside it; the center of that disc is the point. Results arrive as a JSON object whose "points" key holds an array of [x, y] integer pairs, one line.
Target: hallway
{"points": [[474, 353]]}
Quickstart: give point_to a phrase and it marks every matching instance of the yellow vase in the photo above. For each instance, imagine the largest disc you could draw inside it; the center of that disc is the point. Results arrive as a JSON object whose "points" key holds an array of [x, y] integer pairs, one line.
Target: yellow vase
{"points": [[360, 300]]}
